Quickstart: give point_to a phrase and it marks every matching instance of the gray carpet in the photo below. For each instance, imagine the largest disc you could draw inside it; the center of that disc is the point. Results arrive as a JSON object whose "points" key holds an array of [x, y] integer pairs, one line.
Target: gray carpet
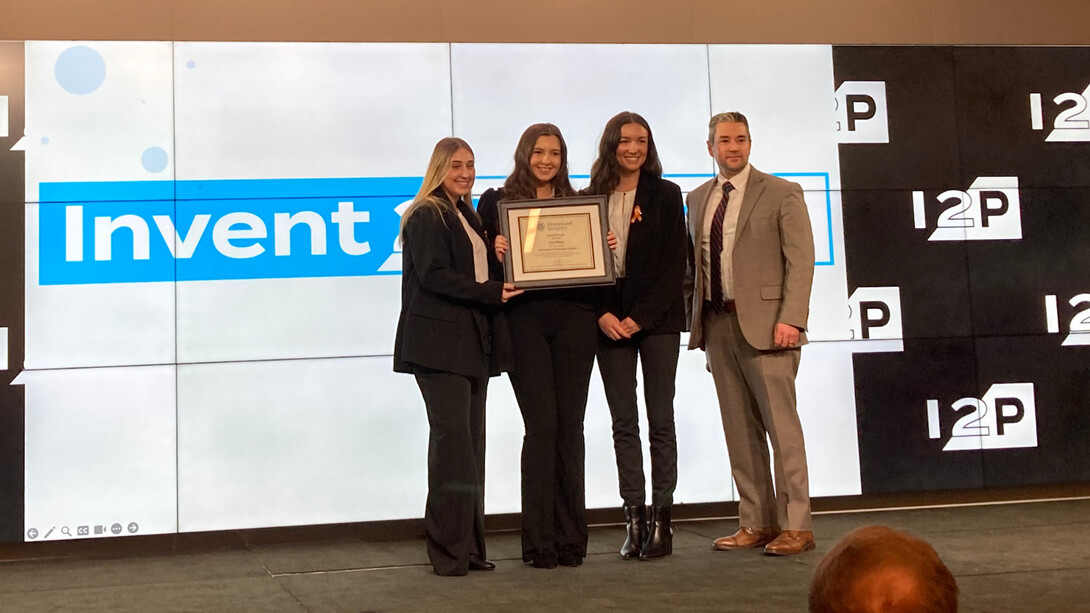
{"points": [[1013, 557]]}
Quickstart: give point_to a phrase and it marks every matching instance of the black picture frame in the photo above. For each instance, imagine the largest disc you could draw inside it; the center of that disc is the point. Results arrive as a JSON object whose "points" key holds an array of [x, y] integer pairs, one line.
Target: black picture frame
{"points": [[579, 254]]}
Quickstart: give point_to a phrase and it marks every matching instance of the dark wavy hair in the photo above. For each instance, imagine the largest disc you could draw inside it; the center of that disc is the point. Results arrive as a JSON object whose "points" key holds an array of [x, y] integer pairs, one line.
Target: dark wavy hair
{"points": [[520, 184], [605, 173]]}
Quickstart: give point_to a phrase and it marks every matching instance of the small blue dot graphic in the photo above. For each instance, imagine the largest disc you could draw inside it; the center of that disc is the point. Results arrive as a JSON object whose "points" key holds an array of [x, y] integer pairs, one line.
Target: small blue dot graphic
{"points": [[154, 159], [80, 70], [191, 64], [45, 140]]}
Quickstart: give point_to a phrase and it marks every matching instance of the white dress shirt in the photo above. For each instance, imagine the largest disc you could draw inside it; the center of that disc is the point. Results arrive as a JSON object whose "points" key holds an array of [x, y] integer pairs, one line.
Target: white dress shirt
{"points": [[730, 225]]}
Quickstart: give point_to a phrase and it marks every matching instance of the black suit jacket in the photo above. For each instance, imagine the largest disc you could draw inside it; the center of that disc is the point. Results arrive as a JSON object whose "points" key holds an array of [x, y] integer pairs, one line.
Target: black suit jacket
{"points": [[448, 322], [651, 292]]}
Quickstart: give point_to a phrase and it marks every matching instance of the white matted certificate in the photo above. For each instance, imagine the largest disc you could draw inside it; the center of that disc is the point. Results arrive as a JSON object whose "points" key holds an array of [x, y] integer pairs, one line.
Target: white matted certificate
{"points": [[557, 242]]}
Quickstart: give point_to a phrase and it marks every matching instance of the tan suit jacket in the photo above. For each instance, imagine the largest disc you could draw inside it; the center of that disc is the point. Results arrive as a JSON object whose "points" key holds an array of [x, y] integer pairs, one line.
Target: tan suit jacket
{"points": [[773, 259]]}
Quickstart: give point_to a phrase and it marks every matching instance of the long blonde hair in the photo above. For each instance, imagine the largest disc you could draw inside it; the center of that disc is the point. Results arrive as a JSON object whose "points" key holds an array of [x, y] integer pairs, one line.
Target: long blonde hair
{"points": [[438, 167]]}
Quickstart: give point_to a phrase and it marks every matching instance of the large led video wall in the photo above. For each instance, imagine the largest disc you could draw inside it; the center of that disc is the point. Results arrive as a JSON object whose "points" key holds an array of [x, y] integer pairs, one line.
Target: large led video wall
{"points": [[200, 272]]}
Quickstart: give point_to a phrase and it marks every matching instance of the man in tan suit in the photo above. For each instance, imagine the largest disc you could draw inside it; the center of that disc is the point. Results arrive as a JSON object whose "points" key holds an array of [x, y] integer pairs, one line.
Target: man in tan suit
{"points": [[752, 253]]}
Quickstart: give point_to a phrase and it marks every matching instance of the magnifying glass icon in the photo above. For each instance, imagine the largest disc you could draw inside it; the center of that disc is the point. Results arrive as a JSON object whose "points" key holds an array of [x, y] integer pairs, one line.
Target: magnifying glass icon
{"points": [[65, 531]]}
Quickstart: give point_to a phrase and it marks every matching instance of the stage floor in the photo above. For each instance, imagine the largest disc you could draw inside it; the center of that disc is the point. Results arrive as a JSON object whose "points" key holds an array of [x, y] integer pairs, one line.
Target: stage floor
{"points": [[1021, 557]]}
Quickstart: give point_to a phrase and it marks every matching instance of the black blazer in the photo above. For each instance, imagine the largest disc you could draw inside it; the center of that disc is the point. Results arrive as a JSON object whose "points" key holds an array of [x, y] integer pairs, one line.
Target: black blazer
{"points": [[651, 292], [448, 322], [488, 208]]}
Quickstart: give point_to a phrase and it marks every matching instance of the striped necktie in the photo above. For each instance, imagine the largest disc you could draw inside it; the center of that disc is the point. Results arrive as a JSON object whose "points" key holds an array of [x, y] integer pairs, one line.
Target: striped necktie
{"points": [[716, 244]]}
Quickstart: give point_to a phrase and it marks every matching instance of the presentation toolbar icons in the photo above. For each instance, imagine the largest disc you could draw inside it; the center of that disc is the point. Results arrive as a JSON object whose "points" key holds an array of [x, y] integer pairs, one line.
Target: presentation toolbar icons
{"points": [[86, 530]]}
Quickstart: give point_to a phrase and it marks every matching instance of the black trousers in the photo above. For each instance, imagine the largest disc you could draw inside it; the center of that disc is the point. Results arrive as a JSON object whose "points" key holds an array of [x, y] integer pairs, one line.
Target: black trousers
{"points": [[454, 513], [658, 355], [554, 344]]}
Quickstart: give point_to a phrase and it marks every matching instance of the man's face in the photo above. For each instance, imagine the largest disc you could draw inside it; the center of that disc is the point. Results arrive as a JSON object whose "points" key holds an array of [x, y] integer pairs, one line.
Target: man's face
{"points": [[730, 147]]}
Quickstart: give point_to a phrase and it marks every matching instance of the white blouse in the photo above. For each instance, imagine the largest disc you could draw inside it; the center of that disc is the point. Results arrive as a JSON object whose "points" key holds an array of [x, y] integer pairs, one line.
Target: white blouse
{"points": [[620, 218], [480, 251]]}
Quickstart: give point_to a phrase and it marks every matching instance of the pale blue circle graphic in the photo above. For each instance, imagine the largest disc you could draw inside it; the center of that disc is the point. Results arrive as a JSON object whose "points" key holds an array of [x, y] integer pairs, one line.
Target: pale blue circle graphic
{"points": [[191, 64], [45, 140], [80, 70], [154, 159]]}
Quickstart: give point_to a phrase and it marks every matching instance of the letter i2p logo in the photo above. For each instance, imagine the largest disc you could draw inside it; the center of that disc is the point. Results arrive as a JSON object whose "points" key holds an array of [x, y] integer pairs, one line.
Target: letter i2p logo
{"points": [[1005, 418], [875, 313], [3, 116], [990, 209], [1078, 328], [861, 112], [1071, 123]]}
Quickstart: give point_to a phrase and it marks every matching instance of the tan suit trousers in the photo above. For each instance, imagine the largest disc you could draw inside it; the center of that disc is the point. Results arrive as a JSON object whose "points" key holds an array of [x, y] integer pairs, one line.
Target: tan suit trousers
{"points": [[756, 391]]}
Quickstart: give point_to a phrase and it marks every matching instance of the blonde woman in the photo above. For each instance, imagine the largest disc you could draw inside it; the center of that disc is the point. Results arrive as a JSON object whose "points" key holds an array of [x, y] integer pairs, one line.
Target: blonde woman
{"points": [[451, 338]]}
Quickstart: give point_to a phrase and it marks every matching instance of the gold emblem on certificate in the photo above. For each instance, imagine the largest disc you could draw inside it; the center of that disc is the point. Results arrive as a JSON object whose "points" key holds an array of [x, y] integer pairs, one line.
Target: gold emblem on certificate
{"points": [[559, 242]]}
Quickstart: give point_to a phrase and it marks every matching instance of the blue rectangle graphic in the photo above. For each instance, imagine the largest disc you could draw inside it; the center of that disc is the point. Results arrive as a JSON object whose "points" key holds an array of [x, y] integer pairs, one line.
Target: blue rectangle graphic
{"points": [[254, 229]]}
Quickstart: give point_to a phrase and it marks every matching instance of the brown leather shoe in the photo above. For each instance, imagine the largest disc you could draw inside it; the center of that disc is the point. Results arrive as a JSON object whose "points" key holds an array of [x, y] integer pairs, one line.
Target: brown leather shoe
{"points": [[791, 542], [746, 538]]}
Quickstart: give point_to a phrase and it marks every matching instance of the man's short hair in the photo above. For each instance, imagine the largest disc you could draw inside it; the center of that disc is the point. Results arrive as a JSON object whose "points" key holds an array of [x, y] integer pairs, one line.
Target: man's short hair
{"points": [[718, 118], [877, 568]]}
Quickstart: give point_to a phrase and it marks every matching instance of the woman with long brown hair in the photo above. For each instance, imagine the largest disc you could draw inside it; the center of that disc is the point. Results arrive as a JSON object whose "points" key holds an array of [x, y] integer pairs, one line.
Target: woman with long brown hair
{"points": [[553, 339], [641, 317], [448, 339]]}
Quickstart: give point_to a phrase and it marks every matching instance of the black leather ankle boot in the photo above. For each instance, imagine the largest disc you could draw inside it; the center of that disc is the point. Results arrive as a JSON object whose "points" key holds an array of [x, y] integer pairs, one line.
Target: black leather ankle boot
{"points": [[636, 517], [660, 539]]}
